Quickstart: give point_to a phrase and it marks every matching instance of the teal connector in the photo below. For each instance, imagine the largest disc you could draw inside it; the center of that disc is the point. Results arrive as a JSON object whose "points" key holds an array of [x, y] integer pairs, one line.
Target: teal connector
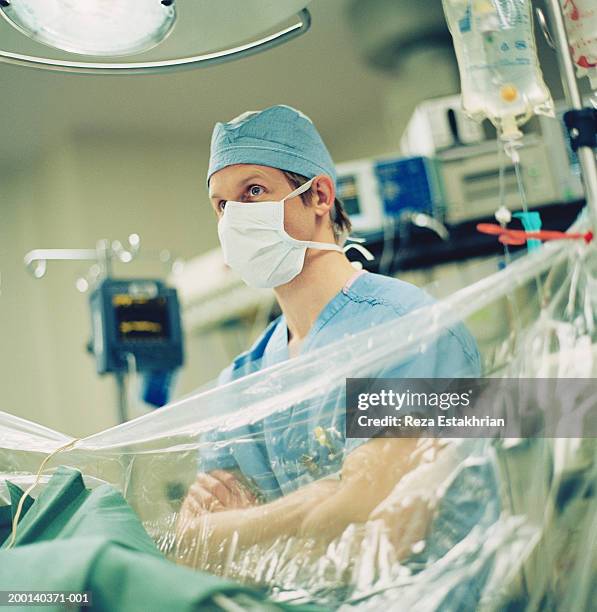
{"points": [[531, 221]]}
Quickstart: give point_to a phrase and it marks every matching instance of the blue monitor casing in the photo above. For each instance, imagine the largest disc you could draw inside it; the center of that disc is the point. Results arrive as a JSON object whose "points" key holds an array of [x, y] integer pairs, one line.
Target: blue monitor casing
{"points": [[140, 317], [409, 183]]}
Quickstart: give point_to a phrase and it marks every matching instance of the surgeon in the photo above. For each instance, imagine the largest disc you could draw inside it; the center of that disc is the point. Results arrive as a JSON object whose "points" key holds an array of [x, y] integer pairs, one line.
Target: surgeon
{"points": [[272, 186]]}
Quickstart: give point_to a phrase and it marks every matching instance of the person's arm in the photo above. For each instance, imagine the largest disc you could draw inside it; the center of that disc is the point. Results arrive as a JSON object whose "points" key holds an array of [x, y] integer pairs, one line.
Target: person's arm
{"points": [[321, 510]]}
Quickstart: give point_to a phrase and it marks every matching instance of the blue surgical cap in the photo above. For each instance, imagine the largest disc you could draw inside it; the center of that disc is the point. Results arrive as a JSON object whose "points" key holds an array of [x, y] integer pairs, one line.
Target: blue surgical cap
{"points": [[279, 137]]}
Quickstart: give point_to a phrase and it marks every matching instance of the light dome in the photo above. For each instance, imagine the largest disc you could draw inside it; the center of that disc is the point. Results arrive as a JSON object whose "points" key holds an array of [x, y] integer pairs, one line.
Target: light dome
{"points": [[93, 27]]}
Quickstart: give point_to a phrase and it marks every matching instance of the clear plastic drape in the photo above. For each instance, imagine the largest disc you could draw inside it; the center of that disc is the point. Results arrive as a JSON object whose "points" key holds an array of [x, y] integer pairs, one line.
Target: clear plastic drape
{"points": [[452, 524]]}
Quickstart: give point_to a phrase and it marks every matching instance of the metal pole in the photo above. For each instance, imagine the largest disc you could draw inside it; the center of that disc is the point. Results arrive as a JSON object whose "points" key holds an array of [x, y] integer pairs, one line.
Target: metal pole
{"points": [[103, 251], [586, 155], [122, 399], [104, 258]]}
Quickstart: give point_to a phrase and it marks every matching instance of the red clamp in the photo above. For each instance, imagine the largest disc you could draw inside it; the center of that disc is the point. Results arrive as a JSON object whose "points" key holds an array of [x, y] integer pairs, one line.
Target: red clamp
{"points": [[518, 237]]}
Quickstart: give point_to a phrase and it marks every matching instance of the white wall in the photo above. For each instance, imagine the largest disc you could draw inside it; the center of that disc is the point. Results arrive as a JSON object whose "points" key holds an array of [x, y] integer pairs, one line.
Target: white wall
{"points": [[78, 192]]}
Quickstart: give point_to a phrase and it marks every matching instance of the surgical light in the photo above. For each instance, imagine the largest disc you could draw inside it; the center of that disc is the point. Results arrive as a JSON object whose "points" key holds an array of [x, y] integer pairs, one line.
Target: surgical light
{"points": [[142, 36], [93, 27]]}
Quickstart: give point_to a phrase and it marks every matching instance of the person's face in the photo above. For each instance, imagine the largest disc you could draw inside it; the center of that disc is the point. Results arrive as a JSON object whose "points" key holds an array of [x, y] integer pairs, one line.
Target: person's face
{"points": [[251, 183]]}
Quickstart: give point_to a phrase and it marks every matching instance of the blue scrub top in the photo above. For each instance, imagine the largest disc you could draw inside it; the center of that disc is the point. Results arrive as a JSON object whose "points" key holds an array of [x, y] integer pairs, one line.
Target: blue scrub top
{"points": [[286, 450]]}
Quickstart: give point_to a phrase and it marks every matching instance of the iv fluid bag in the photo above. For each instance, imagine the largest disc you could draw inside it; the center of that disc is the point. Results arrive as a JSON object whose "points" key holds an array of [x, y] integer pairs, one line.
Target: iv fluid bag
{"points": [[497, 59], [581, 23]]}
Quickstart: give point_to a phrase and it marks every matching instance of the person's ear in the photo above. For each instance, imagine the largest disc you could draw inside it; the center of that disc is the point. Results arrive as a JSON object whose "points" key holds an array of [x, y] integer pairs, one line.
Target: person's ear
{"points": [[323, 194]]}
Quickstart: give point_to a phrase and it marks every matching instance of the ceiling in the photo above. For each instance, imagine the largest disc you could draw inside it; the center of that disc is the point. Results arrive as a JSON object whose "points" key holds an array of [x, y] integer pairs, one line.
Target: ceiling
{"points": [[320, 72]]}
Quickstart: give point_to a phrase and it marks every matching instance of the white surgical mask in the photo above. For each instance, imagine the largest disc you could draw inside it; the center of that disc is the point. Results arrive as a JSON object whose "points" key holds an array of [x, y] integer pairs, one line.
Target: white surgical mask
{"points": [[257, 246]]}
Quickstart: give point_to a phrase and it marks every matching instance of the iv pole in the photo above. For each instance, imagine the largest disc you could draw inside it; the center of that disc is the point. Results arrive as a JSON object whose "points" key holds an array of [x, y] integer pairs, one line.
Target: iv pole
{"points": [[103, 254], [586, 155]]}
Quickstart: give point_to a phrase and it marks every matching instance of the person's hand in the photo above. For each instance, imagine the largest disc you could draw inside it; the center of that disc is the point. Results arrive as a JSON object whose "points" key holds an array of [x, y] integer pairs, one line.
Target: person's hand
{"points": [[211, 492], [216, 491]]}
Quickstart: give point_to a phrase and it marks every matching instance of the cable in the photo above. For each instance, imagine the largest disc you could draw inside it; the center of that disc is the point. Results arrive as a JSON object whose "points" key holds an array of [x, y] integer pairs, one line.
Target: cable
{"points": [[15, 520]]}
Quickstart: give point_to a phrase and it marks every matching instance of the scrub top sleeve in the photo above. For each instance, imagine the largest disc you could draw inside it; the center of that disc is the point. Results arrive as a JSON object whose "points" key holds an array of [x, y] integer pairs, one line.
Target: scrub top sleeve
{"points": [[453, 355], [214, 453]]}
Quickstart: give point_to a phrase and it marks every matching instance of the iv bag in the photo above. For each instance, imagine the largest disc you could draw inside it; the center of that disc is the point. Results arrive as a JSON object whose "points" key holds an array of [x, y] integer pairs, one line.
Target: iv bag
{"points": [[497, 59], [581, 24]]}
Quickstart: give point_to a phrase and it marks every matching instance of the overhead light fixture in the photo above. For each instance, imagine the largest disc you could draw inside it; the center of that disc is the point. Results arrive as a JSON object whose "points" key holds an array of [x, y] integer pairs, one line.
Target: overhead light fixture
{"points": [[93, 27], [154, 35]]}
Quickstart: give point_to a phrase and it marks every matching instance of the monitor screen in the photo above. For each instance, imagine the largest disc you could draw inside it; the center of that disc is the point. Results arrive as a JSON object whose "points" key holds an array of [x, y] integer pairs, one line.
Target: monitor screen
{"points": [[139, 319]]}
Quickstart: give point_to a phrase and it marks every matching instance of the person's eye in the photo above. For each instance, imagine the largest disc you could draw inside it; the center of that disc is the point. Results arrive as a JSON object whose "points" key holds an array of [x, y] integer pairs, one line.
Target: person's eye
{"points": [[221, 206], [255, 191]]}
